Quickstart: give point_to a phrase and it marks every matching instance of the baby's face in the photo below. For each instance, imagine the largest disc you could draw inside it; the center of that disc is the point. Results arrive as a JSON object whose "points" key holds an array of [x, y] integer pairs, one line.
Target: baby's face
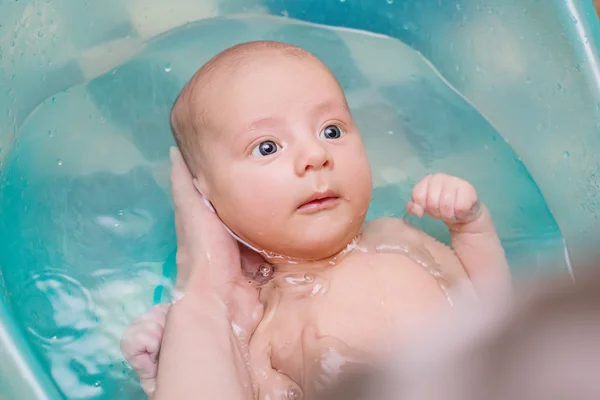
{"points": [[285, 166]]}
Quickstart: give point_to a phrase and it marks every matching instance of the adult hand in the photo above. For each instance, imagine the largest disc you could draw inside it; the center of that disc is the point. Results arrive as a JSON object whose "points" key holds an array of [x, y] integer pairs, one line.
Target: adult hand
{"points": [[209, 259]]}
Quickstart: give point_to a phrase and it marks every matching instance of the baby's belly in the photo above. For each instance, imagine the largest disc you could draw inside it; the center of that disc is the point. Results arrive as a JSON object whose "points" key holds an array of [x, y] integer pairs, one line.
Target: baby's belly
{"points": [[373, 302]]}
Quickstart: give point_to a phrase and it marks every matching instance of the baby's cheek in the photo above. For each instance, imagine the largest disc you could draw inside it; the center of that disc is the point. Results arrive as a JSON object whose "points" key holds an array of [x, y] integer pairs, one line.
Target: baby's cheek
{"points": [[358, 181], [254, 216]]}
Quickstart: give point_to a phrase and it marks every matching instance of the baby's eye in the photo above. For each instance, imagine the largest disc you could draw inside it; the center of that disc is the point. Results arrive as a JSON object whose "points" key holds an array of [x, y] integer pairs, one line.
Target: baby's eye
{"points": [[265, 148], [331, 132]]}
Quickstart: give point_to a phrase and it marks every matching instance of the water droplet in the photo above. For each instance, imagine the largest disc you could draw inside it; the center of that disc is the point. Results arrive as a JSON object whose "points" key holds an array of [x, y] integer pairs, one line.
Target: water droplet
{"points": [[120, 213], [566, 154], [342, 1], [265, 270], [294, 394], [573, 19], [309, 278], [12, 44], [389, 1], [97, 384], [578, 68], [168, 68], [59, 162], [53, 100], [50, 133], [459, 7], [40, 34]]}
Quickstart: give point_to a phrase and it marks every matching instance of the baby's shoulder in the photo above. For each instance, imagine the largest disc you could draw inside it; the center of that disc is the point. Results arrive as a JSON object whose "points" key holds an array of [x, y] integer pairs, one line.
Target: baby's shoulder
{"points": [[395, 233], [399, 233], [388, 226]]}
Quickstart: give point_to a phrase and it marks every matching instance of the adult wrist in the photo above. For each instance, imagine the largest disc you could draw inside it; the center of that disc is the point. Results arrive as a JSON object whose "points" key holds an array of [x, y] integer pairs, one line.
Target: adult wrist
{"points": [[205, 303]]}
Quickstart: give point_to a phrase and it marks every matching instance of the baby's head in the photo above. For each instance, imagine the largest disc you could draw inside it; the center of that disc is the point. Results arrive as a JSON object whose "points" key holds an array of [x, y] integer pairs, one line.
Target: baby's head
{"points": [[265, 129]]}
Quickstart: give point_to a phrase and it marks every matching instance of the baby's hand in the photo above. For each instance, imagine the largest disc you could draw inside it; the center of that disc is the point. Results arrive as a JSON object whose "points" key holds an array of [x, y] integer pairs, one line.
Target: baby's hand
{"points": [[445, 197], [140, 345]]}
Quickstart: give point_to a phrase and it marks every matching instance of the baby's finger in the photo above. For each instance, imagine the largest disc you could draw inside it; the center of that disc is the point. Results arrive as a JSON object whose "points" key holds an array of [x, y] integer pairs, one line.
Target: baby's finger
{"points": [[419, 192], [434, 191], [415, 209], [467, 205], [448, 199]]}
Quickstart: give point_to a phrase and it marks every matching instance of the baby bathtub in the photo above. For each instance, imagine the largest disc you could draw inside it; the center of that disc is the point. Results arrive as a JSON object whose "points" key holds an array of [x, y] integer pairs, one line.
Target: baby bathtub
{"points": [[541, 91]]}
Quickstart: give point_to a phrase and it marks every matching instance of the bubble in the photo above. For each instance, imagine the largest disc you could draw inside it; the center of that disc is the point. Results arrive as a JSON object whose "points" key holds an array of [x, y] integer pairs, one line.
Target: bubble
{"points": [[59, 162], [56, 307], [309, 278], [265, 270], [389, 1], [390, 132], [168, 68], [97, 384], [50, 133], [294, 394], [566, 154]]}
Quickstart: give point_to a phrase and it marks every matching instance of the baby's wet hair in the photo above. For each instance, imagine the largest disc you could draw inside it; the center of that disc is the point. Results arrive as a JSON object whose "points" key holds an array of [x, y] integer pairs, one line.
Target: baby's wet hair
{"points": [[188, 119]]}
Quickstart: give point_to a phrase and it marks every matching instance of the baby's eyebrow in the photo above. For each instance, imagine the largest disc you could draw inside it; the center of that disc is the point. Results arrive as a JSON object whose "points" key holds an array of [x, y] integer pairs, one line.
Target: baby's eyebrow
{"points": [[260, 124], [330, 106]]}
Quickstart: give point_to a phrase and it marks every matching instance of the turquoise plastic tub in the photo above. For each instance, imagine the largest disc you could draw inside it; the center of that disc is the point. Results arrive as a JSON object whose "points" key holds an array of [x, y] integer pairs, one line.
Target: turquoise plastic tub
{"points": [[506, 92]]}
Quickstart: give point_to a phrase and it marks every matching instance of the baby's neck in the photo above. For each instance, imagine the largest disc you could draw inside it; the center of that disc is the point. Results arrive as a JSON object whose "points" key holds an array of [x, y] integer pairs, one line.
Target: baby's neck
{"points": [[285, 264]]}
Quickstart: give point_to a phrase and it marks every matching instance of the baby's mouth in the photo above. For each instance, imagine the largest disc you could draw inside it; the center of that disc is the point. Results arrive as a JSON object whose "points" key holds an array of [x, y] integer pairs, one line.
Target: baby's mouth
{"points": [[320, 201]]}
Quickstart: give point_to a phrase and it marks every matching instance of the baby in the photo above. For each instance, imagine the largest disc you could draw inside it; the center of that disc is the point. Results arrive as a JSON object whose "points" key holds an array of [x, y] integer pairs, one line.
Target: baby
{"points": [[268, 135]]}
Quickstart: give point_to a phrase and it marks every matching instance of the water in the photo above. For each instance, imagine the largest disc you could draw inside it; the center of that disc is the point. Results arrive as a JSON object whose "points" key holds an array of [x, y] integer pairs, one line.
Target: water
{"points": [[87, 239]]}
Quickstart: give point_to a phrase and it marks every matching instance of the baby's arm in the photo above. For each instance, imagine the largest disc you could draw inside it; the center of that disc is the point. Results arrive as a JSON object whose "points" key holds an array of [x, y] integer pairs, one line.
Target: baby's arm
{"points": [[140, 345], [472, 230]]}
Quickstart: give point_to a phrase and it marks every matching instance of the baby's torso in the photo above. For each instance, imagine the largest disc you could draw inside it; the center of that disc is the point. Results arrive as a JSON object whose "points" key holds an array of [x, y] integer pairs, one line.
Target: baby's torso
{"points": [[317, 324]]}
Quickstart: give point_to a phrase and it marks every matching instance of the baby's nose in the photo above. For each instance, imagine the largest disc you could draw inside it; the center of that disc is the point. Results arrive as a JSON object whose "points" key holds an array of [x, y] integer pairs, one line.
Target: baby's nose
{"points": [[315, 157]]}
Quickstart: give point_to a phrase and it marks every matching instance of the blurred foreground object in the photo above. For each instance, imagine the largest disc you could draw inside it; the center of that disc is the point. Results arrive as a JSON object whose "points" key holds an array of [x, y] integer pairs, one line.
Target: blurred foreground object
{"points": [[543, 343]]}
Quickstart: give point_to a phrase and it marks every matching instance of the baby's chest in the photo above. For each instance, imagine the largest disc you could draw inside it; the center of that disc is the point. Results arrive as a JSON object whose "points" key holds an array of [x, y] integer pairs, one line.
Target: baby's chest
{"points": [[368, 301]]}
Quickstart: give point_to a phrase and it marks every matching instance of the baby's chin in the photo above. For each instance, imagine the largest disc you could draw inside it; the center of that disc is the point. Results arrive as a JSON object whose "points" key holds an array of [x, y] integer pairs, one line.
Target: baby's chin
{"points": [[309, 248]]}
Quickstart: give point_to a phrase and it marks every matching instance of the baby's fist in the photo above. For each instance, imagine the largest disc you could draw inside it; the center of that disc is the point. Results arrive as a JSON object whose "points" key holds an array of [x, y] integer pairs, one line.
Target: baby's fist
{"points": [[445, 197], [141, 342]]}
